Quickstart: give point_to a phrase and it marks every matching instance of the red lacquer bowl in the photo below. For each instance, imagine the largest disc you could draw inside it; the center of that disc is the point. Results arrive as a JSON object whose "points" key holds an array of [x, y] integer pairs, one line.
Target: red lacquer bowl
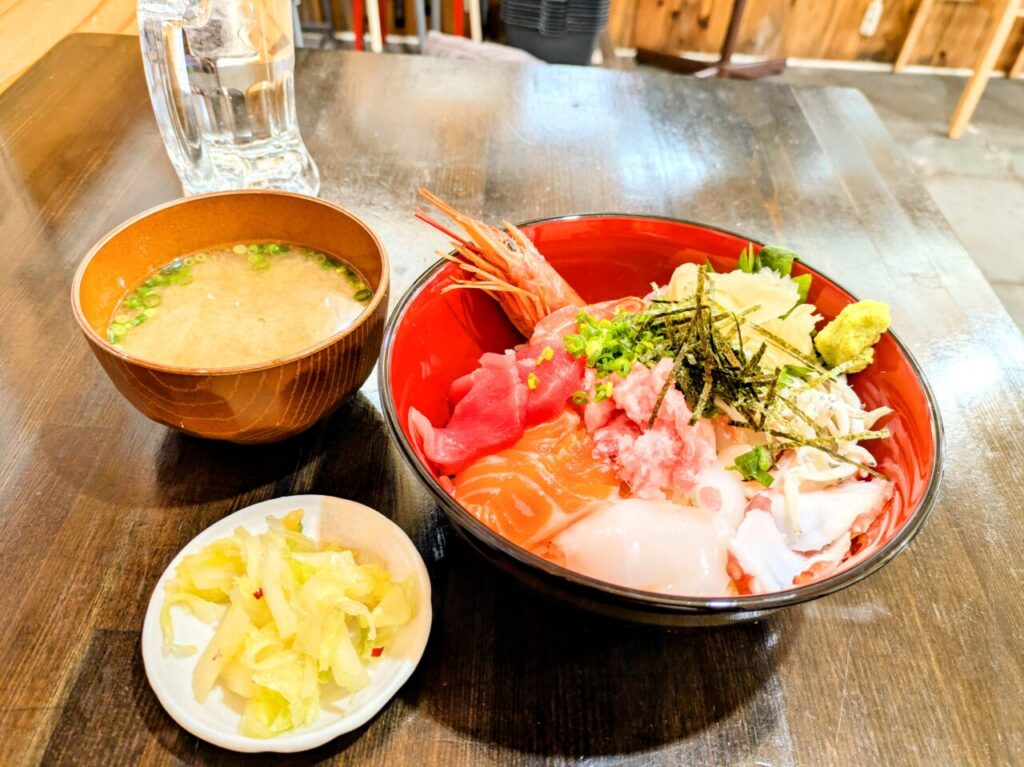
{"points": [[434, 337]]}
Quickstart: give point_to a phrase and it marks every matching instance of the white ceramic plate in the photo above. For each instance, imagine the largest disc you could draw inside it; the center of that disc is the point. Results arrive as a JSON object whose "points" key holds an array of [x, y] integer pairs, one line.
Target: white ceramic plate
{"points": [[218, 719]]}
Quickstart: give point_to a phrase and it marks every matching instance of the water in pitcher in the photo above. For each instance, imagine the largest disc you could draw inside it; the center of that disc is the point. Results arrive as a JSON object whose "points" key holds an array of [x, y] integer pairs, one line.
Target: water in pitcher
{"points": [[220, 75]]}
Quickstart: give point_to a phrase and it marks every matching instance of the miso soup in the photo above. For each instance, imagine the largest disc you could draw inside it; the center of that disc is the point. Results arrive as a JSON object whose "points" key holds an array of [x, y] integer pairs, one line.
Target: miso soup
{"points": [[239, 305]]}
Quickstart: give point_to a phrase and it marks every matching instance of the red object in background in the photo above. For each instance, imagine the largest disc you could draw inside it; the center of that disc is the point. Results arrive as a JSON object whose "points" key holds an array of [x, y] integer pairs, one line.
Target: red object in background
{"points": [[382, 6], [607, 257], [458, 17], [357, 23]]}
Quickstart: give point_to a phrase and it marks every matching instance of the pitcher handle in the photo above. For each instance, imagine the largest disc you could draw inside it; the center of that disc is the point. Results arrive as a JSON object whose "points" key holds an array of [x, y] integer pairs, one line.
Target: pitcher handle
{"points": [[161, 35]]}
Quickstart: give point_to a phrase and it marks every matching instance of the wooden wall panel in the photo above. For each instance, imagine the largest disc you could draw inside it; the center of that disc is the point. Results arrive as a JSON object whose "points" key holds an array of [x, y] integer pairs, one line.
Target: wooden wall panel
{"points": [[29, 28], [817, 29]]}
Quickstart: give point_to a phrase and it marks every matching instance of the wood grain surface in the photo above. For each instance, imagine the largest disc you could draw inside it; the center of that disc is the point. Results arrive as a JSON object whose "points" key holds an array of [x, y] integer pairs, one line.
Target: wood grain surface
{"points": [[919, 665], [29, 28]]}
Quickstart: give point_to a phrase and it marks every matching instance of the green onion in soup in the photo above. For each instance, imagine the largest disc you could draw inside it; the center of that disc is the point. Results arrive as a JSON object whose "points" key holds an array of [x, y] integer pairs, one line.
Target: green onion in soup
{"points": [[242, 304]]}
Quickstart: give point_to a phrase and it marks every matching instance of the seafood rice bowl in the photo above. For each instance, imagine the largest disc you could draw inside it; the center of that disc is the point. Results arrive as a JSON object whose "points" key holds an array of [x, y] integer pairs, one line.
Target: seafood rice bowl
{"points": [[712, 432]]}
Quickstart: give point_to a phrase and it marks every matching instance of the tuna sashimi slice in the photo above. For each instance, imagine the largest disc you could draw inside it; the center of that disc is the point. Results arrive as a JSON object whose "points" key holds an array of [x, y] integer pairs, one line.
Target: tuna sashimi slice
{"points": [[538, 487], [554, 380], [487, 418]]}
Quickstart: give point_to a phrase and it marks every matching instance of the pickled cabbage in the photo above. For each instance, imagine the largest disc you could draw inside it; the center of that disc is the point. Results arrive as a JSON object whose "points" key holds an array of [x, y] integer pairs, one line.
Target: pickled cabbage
{"points": [[294, 619]]}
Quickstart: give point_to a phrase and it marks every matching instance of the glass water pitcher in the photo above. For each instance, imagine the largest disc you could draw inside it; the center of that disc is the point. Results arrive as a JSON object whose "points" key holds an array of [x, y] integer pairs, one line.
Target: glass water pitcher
{"points": [[221, 77]]}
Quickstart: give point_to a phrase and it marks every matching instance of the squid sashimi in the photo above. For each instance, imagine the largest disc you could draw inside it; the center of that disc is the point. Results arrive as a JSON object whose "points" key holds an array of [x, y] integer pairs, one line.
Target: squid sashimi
{"points": [[818, 517], [768, 564], [542, 484], [720, 490], [704, 439], [650, 545]]}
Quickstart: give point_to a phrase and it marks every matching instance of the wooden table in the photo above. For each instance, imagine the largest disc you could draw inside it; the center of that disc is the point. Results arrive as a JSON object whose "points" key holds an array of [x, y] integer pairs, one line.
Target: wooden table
{"points": [[921, 664]]}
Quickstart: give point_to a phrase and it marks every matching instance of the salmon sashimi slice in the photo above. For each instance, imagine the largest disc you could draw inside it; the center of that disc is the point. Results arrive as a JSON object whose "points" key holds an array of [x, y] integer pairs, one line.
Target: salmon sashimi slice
{"points": [[539, 486]]}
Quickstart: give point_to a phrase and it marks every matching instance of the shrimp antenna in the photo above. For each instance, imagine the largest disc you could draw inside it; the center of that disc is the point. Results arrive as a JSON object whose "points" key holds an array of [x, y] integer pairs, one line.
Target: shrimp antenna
{"points": [[444, 229]]}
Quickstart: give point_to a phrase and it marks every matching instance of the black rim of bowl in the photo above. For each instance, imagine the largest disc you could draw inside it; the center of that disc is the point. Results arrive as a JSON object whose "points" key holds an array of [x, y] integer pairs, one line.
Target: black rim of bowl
{"points": [[647, 599]]}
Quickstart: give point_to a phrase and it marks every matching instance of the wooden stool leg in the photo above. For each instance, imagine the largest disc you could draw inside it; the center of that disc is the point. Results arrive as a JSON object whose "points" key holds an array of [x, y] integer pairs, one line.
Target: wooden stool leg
{"points": [[990, 54], [1018, 65], [913, 34], [373, 16], [733, 31], [476, 29]]}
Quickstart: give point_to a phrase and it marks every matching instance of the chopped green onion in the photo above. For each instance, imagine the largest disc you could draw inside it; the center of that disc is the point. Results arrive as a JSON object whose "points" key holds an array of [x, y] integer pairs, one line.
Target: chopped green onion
{"points": [[363, 295], [262, 265], [575, 345], [138, 320], [187, 261], [252, 249], [200, 257], [603, 391], [240, 249], [151, 300], [185, 277], [274, 248], [122, 318], [547, 354], [580, 397], [754, 465], [118, 329]]}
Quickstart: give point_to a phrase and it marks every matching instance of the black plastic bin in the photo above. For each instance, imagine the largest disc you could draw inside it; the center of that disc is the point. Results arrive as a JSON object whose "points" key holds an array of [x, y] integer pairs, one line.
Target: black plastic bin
{"points": [[557, 31]]}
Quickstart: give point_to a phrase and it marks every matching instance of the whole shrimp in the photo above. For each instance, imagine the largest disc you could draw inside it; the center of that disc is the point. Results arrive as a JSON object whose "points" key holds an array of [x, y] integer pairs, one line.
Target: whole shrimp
{"points": [[505, 264]]}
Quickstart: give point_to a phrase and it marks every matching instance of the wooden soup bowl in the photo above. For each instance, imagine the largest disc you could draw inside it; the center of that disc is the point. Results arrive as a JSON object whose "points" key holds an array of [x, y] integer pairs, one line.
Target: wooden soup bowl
{"points": [[257, 403]]}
